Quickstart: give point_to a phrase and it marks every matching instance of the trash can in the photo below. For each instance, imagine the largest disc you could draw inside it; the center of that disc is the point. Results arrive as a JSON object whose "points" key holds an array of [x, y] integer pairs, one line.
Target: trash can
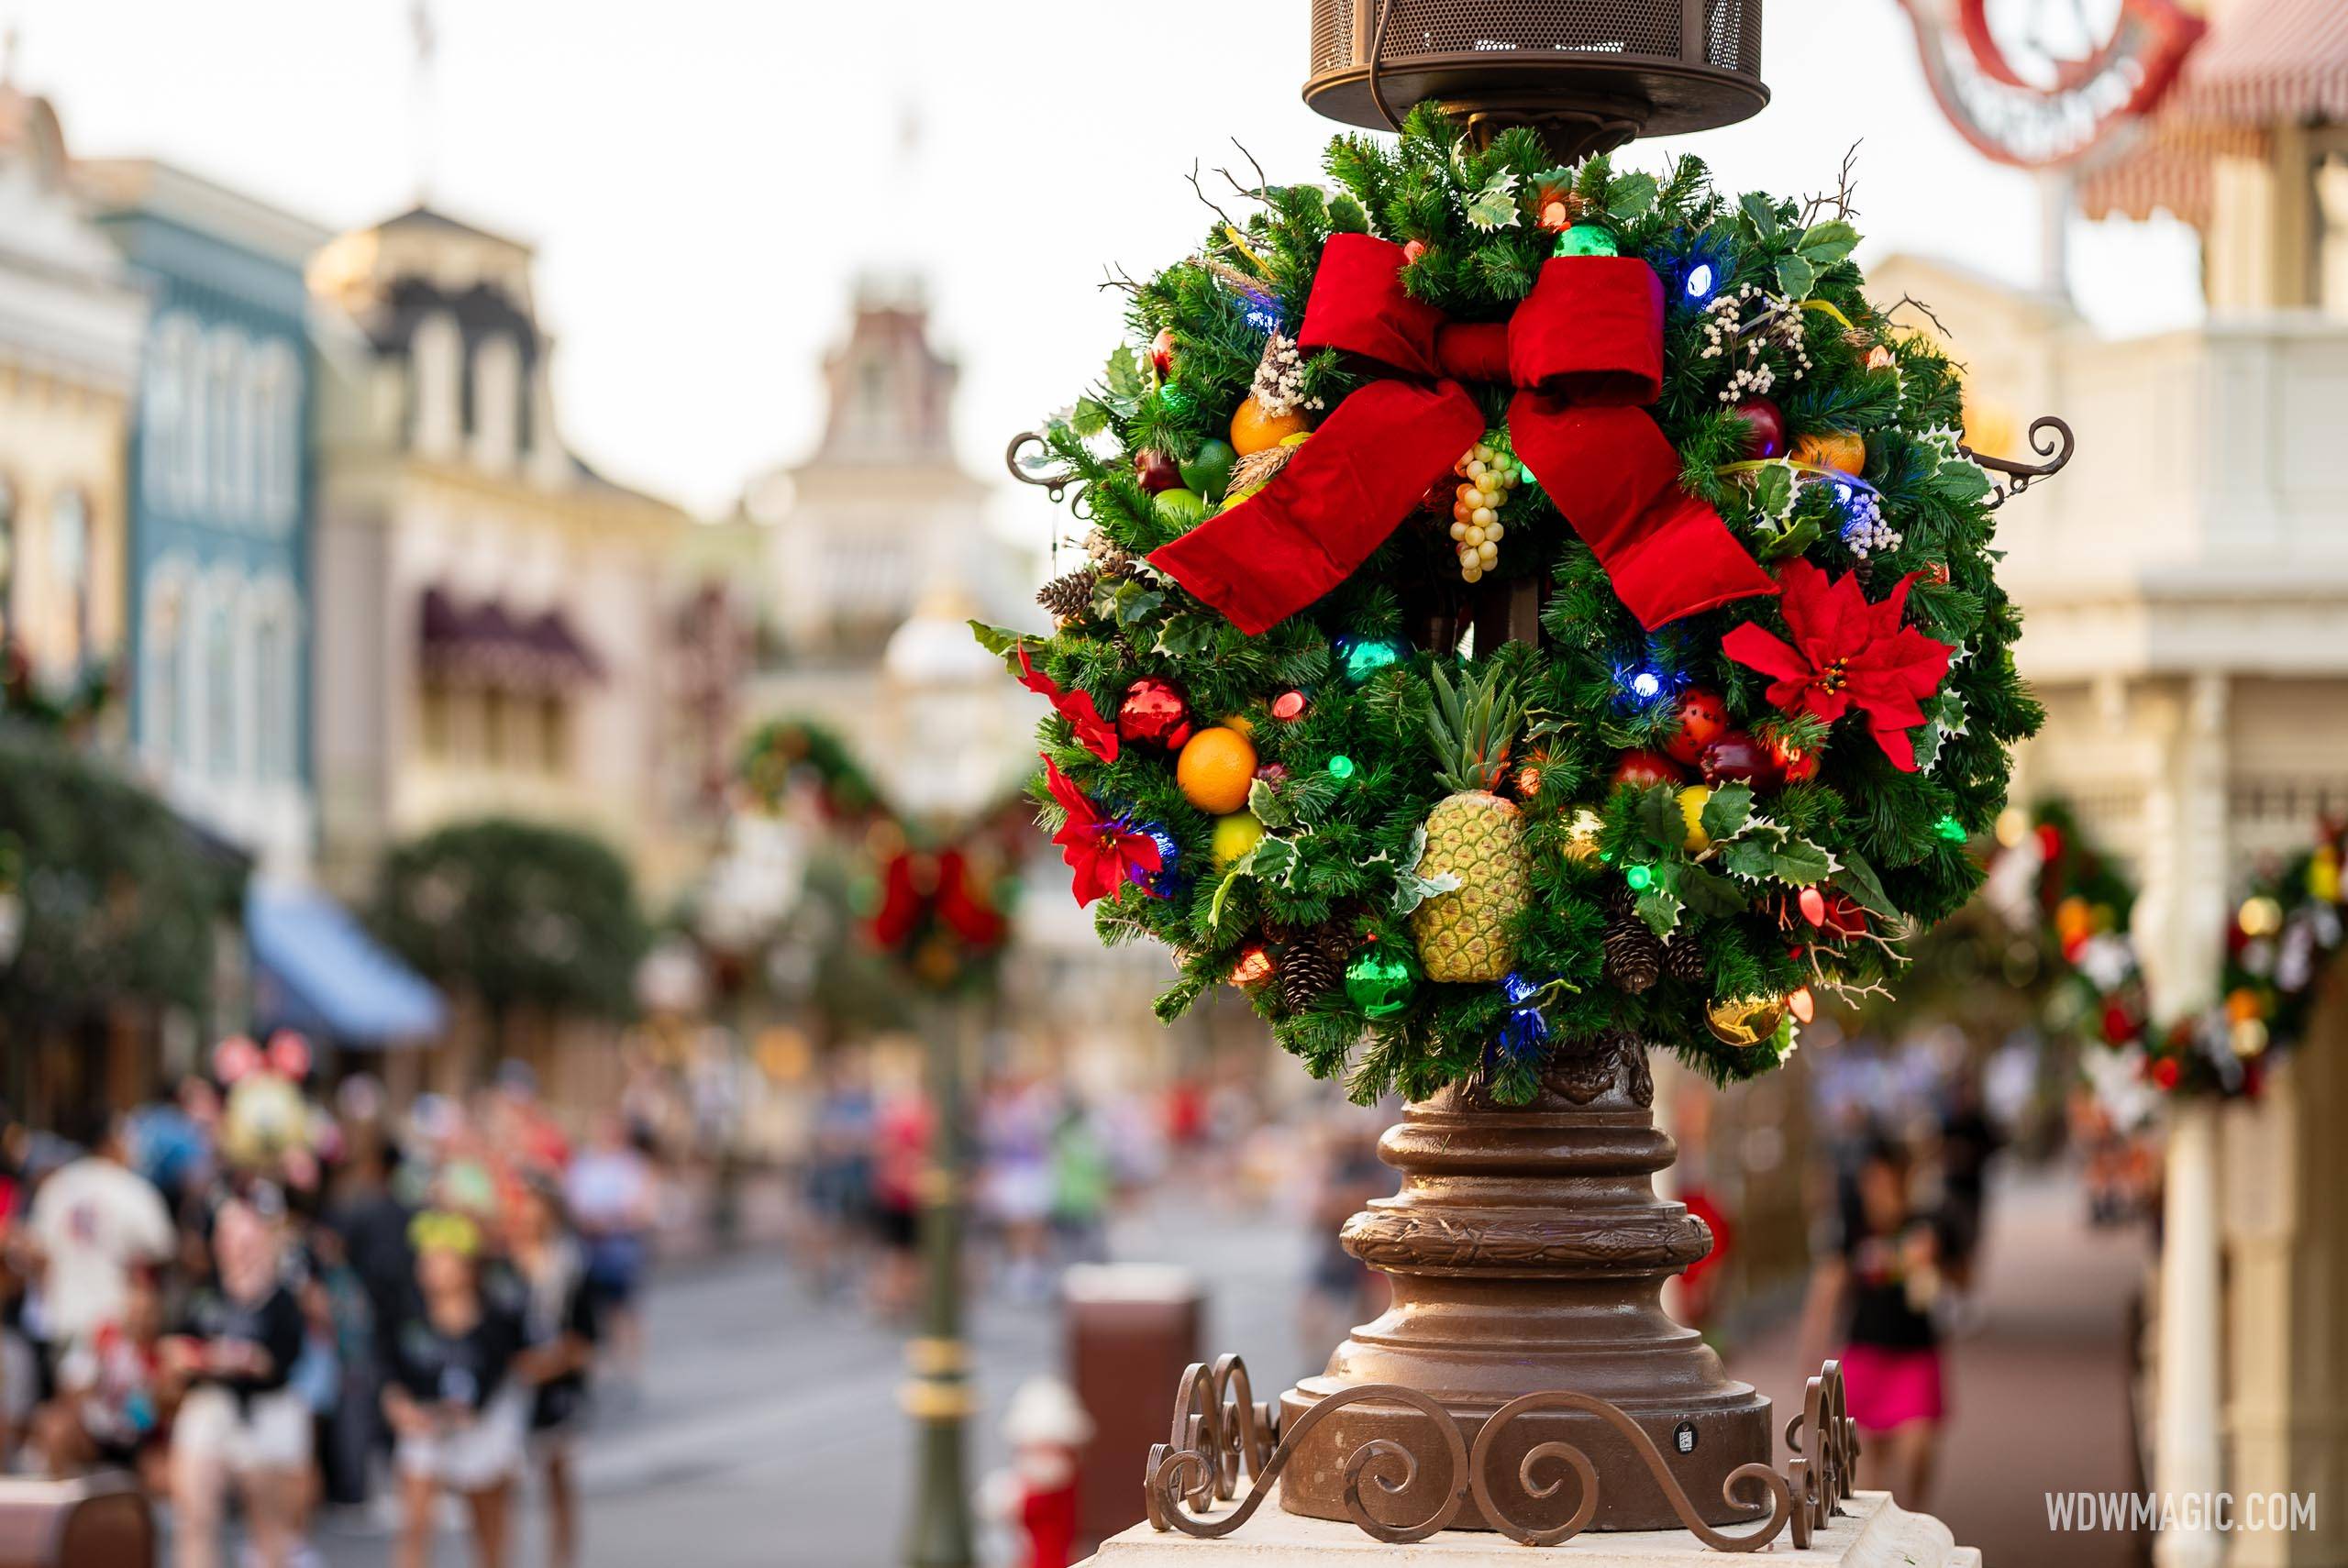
{"points": [[100, 1522], [1131, 1327]]}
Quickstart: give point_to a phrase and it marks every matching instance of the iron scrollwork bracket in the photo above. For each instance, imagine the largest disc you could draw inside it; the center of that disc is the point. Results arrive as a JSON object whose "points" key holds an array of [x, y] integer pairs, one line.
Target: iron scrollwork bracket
{"points": [[2050, 438], [1054, 483], [1222, 1435]]}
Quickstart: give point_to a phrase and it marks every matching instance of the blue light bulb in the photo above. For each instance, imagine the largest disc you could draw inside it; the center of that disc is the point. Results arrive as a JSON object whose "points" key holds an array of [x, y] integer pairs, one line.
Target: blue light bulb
{"points": [[1700, 283], [1646, 685]]}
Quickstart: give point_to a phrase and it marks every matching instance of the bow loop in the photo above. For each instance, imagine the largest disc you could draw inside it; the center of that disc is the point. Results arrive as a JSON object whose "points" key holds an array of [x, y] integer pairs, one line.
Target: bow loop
{"points": [[1584, 351]]}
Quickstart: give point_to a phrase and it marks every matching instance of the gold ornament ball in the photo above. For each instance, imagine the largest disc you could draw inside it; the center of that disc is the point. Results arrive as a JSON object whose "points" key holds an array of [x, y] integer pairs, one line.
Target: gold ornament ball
{"points": [[1745, 1022], [1234, 836], [1692, 809]]}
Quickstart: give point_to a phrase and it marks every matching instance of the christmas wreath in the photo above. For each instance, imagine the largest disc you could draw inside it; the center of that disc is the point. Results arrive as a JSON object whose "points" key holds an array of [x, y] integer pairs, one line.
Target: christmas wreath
{"points": [[1521, 602]]}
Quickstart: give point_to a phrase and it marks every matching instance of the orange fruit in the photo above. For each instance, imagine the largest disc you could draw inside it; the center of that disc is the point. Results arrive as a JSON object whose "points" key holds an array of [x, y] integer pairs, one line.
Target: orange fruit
{"points": [[1253, 430], [1840, 449], [1215, 769]]}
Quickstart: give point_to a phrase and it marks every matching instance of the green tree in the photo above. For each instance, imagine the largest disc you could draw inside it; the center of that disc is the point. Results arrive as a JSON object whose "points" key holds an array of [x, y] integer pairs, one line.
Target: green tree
{"points": [[516, 913]]}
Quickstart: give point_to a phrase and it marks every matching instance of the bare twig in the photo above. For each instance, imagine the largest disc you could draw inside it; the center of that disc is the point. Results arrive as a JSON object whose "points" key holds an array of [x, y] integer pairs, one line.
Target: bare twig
{"points": [[1202, 192], [1844, 188], [1263, 181], [1118, 277], [1909, 301]]}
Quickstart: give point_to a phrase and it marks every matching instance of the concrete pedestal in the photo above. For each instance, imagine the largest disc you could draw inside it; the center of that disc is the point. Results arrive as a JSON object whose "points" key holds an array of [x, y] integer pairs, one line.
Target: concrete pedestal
{"points": [[1874, 1532]]}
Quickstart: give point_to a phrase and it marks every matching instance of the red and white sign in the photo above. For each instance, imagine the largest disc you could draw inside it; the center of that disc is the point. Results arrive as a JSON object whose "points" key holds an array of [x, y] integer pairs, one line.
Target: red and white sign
{"points": [[2041, 83]]}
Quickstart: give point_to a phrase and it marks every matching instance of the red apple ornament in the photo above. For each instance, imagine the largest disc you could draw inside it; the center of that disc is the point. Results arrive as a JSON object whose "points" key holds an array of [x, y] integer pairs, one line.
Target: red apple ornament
{"points": [[1702, 719], [1642, 768], [1161, 351], [1735, 757], [1765, 427], [1156, 471]]}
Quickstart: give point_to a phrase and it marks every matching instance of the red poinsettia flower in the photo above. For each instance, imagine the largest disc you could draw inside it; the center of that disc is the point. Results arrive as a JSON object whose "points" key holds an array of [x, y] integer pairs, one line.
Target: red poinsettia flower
{"points": [[1846, 654], [1095, 733], [1104, 851]]}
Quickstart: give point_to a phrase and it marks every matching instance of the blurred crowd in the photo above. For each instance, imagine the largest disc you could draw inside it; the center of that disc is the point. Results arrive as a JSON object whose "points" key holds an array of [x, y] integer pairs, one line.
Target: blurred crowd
{"points": [[263, 1307]]}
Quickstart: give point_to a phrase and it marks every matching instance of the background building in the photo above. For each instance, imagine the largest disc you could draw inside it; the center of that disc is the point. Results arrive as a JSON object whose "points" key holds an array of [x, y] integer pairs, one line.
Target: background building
{"points": [[494, 613], [220, 483], [70, 325]]}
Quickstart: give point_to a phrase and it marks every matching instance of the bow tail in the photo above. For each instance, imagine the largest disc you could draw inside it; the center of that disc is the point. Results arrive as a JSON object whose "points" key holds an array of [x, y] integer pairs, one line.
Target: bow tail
{"points": [[1348, 488], [1616, 477]]}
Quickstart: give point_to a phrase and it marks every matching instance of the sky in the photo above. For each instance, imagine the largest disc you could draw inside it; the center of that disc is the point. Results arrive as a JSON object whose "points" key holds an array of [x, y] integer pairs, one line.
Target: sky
{"points": [[704, 178]]}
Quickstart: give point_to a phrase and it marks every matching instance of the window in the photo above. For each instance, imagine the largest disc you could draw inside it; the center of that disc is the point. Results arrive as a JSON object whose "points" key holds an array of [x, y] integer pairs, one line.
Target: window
{"points": [[162, 693], [219, 660], [228, 425], [275, 681], [165, 430], [68, 555], [277, 377]]}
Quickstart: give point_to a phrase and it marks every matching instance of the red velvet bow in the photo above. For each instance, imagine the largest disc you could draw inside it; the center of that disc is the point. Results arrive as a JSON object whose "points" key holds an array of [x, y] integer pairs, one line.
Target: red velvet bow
{"points": [[1584, 351]]}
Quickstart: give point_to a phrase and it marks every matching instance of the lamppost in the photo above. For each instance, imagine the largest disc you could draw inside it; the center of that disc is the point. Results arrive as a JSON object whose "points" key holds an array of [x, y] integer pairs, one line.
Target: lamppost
{"points": [[748, 892], [943, 698]]}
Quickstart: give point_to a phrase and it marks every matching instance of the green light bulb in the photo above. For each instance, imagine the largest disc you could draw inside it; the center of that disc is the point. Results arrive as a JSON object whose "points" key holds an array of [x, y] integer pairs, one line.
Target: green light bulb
{"points": [[1951, 828], [1341, 767], [1640, 877]]}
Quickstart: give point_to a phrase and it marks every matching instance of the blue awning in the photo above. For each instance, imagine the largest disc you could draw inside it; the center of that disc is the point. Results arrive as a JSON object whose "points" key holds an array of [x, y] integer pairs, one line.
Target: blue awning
{"points": [[315, 970]]}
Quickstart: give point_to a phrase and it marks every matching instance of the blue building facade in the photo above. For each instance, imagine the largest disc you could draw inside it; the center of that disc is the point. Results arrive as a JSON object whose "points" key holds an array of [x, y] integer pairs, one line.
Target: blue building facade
{"points": [[222, 504]]}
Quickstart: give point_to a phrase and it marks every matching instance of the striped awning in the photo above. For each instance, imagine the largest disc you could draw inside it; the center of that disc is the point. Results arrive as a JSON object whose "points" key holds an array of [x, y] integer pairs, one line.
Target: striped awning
{"points": [[2266, 64]]}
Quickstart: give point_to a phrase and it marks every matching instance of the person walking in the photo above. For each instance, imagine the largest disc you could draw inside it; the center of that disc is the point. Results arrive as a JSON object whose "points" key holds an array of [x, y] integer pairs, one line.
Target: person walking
{"points": [[559, 1322], [614, 1200], [93, 1221]]}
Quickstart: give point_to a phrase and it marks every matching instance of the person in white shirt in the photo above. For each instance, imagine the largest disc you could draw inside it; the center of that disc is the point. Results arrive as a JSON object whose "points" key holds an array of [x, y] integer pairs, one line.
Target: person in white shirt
{"points": [[91, 1224]]}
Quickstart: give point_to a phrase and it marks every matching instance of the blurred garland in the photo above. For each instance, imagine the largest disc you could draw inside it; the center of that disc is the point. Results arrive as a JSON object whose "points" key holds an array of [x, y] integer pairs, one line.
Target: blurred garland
{"points": [[937, 907]]}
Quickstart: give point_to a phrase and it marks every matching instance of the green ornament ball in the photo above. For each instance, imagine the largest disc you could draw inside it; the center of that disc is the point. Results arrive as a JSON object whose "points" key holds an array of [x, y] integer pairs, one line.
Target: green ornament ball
{"points": [[1181, 402], [1358, 658], [1178, 508], [1587, 240], [1208, 470], [1380, 983]]}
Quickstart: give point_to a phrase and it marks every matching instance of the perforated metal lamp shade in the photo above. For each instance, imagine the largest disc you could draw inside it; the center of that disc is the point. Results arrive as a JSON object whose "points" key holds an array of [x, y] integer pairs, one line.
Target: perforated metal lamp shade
{"points": [[1590, 74]]}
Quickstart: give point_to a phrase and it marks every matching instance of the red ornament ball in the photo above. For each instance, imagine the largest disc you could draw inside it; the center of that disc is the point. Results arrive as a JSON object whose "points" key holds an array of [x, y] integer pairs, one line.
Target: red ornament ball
{"points": [[1154, 713], [1156, 471], [1642, 768], [1289, 706], [2166, 1072], [1702, 718], [1735, 757], [1765, 427], [1161, 352], [1794, 766]]}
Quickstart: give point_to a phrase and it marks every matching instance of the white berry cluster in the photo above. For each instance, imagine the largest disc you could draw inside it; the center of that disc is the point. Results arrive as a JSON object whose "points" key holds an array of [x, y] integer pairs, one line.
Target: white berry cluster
{"points": [[1487, 473], [1279, 387], [1864, 529], [1727, 335]]}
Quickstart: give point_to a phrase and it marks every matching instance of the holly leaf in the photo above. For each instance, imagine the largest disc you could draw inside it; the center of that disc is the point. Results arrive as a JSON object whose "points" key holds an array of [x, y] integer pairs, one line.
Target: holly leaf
{"points": [[1126, 601], [1660, 908], [1708, 893], [1960, 480], [1823, 244], [1659, 819], [1859, 879], [1122, 373], [1772, 491], [999, 640], [1724, 814], [1761, 212], [1799, 863], [1793, 541], [1494, 205], [1749, 858], [1629, 196], [1411, 890], [1272, 860], [1090, 417], [1186, 636], [1265, 803], [1346, 216], [1796, 277]]}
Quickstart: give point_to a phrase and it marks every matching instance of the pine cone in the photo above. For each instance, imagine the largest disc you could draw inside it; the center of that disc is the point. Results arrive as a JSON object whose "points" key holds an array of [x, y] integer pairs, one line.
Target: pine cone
{"points": [[1633, 955], [1308, 973], [1683, 959], [1069, 597]]}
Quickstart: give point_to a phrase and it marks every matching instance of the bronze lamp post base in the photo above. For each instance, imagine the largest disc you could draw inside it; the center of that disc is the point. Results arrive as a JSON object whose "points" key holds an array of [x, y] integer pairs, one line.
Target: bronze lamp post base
{"points": [[1527, 1251]]}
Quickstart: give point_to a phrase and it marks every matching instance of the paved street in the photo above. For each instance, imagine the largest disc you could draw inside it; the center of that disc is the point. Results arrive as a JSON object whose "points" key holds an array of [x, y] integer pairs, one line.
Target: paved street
{"points": [[770, 1434]]}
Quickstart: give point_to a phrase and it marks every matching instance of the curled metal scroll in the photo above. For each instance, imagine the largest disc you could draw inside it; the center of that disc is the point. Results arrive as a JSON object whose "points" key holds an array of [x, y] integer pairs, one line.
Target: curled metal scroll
{"points": [[1054, 485], [1825, 1478], [1772, 1487], [2050, 438], [1219, 1435]]}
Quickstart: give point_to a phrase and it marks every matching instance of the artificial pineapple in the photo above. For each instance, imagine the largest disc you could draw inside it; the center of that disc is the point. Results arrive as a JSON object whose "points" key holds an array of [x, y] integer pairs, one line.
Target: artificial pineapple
{"points": [[1473, 834]]}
